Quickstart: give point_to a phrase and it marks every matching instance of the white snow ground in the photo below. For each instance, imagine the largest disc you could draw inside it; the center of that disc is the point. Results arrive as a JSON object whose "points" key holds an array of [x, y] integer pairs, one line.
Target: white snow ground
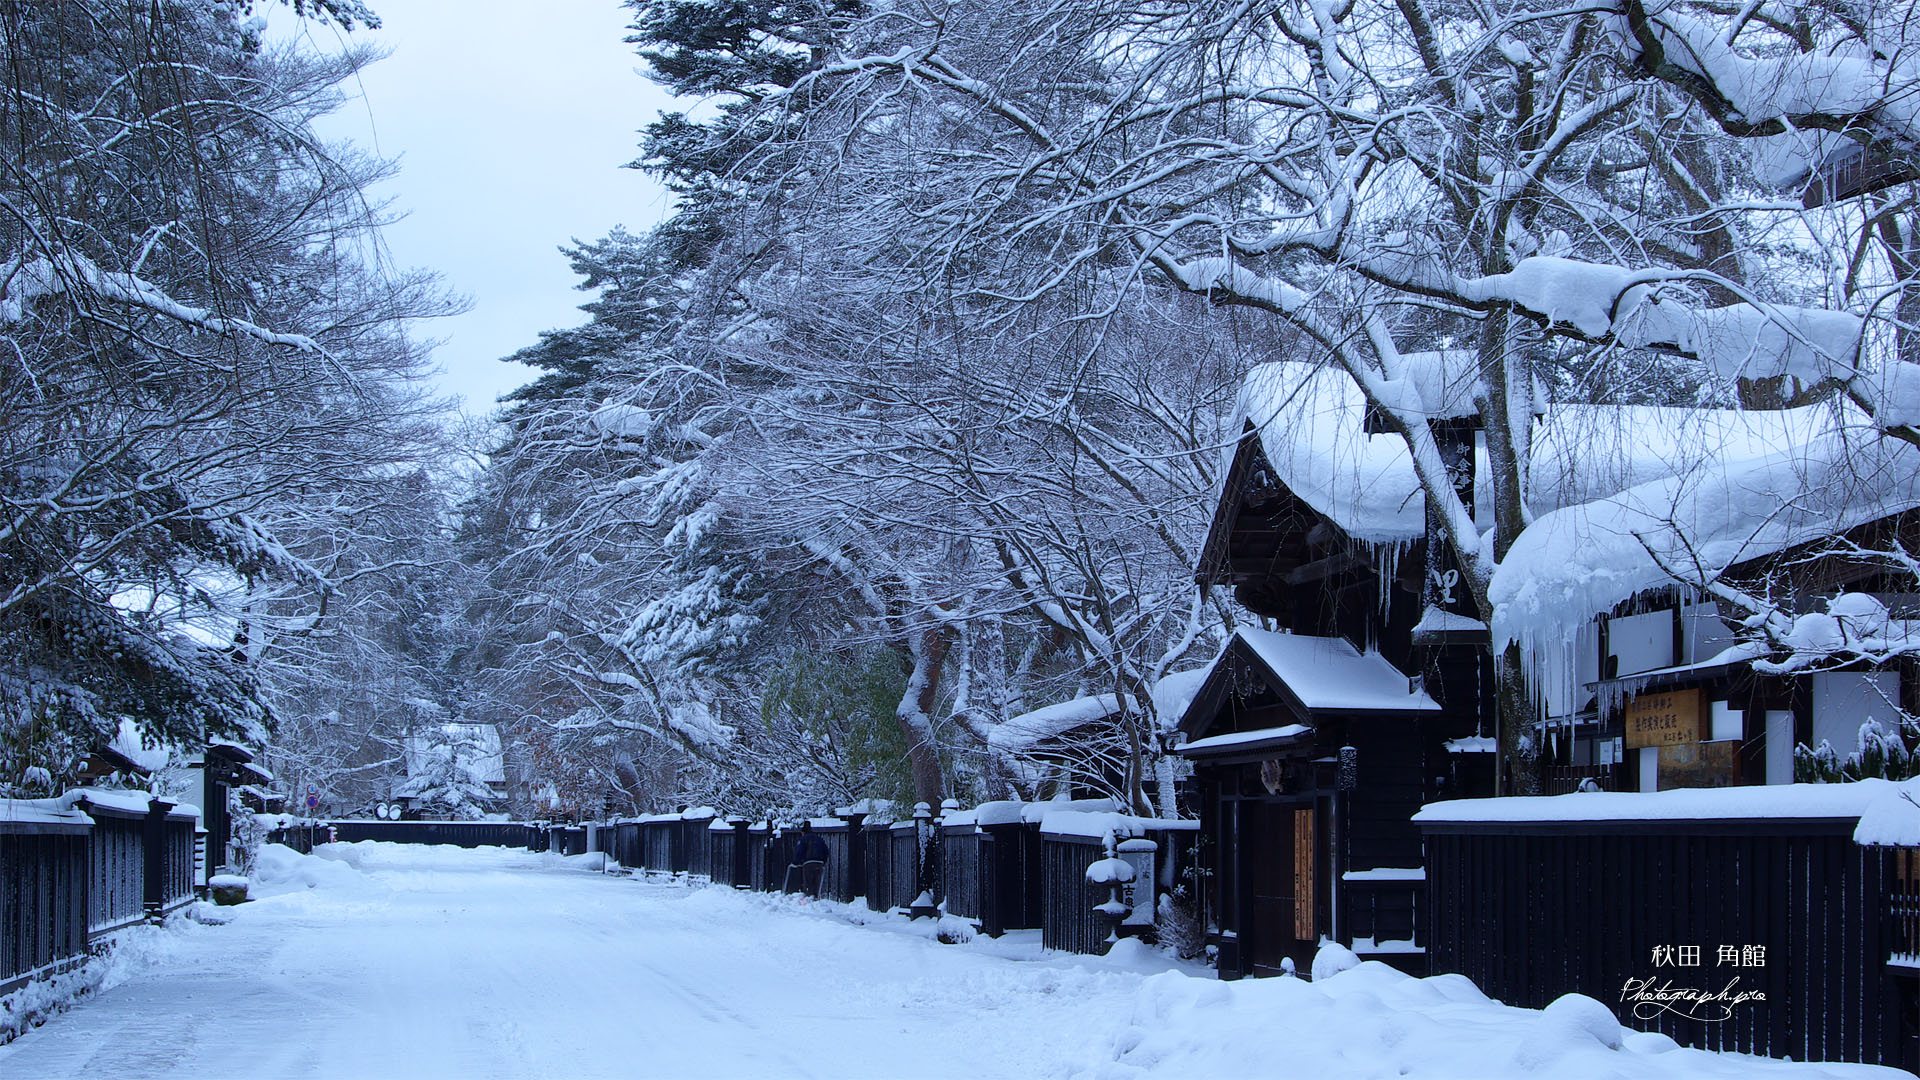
{"points": [[417, 962]]}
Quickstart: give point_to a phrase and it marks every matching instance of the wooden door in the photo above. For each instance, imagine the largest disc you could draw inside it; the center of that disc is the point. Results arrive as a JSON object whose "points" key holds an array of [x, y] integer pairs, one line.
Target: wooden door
{"points": [[1268, 849]]}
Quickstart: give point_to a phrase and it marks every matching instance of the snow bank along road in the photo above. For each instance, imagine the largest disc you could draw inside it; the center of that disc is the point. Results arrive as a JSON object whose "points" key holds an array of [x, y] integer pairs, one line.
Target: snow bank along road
{"points": [[383, 961]]}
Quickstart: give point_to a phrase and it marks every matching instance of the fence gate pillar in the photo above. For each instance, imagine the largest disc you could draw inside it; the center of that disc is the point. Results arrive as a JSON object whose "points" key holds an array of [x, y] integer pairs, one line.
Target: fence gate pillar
{"points": [[154, 870]]}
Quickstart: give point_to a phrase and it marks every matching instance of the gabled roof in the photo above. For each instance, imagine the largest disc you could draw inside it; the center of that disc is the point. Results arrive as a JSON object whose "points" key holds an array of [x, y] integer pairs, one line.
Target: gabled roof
{"points": [[1327, 674], [1316, 678]]}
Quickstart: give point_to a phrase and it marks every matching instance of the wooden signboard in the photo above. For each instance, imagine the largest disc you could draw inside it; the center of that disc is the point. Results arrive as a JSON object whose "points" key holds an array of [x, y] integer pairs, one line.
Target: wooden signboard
{"points": [[1666, 719], [1695, 765], [1303, 875]]}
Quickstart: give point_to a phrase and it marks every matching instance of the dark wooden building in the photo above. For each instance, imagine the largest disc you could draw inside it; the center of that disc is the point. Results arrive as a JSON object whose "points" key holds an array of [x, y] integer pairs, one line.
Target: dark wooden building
{"points": [[1314, 742], [1365, 689]]}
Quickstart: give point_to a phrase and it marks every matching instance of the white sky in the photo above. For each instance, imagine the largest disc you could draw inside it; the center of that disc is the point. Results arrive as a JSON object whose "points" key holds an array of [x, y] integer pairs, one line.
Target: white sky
{"points": [[511, 121]]}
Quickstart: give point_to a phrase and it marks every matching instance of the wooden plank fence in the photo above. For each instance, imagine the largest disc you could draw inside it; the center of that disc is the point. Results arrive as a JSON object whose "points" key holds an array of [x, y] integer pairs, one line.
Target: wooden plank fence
{"points": [[1531, 910], [67, 880], [466, 834]]}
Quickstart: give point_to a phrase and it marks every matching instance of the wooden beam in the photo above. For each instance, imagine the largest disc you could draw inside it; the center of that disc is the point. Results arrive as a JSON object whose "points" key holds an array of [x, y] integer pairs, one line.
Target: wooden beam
{"points": [[1321, 569]]}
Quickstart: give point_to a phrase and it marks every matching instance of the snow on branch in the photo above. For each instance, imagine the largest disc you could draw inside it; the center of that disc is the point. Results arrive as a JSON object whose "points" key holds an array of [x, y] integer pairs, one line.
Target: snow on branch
{"points": [[25, 281], [1764, 95]]}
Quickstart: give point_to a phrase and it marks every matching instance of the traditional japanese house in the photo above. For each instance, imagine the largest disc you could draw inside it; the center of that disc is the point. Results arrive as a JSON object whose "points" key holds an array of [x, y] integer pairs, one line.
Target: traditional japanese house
{"points": [[1315, 738], [1645, 681], [1364, 690]]}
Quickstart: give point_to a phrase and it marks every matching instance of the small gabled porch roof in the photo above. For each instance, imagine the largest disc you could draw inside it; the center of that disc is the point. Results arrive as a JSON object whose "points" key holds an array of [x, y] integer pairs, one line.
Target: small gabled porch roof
{"points": [[1315, 680]]}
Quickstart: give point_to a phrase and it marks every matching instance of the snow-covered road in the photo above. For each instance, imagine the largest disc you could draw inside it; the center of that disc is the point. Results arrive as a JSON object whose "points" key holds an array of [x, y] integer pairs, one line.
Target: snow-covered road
{"points": [[435, 962], [384, 961]]}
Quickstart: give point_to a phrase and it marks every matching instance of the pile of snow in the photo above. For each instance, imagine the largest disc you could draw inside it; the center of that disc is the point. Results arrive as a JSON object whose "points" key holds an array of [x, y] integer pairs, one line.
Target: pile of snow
{"points": [[383, 854], [280, 869], [1360, 1020]]}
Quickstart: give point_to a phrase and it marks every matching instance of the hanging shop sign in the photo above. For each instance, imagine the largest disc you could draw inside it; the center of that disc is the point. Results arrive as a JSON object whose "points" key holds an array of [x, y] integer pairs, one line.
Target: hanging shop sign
{"points": [[1668, 718]]}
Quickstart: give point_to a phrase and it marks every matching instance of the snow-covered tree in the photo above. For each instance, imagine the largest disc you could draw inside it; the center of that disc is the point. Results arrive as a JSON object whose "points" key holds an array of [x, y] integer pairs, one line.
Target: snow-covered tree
{"points": [[192, 347], [1553, 196]]}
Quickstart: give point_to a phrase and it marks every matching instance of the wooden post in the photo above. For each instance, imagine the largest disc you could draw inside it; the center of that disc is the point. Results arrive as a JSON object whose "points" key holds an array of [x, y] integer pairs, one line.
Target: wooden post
{"points": [[856, 868], [153, 842]]}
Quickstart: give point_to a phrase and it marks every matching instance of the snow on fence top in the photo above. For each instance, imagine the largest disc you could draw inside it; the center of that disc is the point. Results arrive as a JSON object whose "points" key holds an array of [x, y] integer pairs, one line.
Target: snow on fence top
{"points": [[42, 812], [1098, 826], [1000, 812], [132, 802], [875, 810], [1311, 425], [1033, 813], [1241, 738], [1886, 811]]}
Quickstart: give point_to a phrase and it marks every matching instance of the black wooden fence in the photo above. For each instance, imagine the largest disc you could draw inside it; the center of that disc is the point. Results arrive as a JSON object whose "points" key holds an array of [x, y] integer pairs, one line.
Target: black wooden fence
{"points": [[69, 878], [1790, 908], [466, 834], [1003, 875]]}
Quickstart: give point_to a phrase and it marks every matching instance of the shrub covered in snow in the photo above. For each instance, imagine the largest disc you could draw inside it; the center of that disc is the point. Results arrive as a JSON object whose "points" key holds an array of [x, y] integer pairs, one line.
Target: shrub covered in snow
{"points": [[1883, 755]]}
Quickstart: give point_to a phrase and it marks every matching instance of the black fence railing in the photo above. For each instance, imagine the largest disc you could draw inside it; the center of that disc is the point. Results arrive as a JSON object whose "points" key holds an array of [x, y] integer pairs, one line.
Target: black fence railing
{"points": [[69, 876], [1069, 922], [1791, 909], [1905, 911], [996, 875], [1561, 779], [466, 834]]}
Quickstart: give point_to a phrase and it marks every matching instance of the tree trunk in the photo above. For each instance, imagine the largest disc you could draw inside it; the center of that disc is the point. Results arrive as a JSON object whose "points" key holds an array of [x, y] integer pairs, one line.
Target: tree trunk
{"points": [[928, 649], [1518, 766], [1519, 750]]}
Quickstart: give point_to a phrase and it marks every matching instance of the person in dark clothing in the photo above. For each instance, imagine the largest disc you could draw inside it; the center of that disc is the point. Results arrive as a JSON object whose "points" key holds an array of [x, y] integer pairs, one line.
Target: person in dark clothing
{"points": [[809, 862]]}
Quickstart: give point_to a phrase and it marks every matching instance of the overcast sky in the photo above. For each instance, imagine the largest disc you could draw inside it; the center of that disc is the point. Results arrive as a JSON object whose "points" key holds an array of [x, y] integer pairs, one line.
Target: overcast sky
{"points": [[511, 121]]}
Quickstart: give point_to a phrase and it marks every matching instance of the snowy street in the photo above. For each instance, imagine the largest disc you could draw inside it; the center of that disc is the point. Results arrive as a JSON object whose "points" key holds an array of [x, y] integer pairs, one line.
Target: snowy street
{"points": [[423, 962], [437, 962]]}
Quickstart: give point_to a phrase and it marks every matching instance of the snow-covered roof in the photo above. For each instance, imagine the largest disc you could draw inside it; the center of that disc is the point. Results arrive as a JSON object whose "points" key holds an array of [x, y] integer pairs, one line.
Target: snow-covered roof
{"points": [[1329, 673], [1310, 422], [1022, 733], [1617, 491], [1575, 563], [1257, 739], [477, 747]]}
